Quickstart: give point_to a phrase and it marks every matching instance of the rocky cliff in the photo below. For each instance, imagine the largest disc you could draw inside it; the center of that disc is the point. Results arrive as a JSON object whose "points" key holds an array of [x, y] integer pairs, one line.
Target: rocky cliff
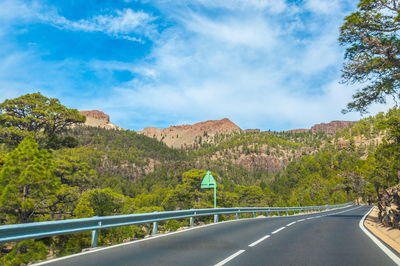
{"points": [[298, 130], [332, 127], [329, 129], [190, 136], [96, 118]]}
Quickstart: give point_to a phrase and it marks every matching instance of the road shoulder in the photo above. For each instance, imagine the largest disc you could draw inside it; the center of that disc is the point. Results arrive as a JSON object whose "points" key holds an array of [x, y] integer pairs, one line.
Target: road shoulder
{"points": [[389, 236]]}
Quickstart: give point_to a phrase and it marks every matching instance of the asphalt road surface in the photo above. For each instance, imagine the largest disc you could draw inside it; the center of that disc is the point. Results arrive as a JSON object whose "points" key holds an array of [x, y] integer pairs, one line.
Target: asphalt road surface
{"points": [[327, 238]]}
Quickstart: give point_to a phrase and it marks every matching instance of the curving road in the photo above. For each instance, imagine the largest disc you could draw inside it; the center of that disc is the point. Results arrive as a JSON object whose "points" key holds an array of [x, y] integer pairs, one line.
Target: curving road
{"points": [[328, 238]]}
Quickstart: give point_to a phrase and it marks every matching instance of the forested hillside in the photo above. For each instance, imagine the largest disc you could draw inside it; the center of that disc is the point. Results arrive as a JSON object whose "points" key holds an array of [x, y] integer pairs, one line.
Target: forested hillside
{"points": [[89, 171]]}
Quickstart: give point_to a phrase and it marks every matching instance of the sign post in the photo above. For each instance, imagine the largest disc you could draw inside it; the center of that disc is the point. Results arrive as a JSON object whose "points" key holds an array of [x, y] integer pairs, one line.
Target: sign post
{"points": [[209, 182]]}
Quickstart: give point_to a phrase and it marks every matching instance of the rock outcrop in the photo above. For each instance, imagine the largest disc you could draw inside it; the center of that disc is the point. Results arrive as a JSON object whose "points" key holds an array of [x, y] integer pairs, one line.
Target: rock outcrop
{"points": [[329, 129], [389, 207], [299, 130], [332, 127], [96, 118], [190, 136]]}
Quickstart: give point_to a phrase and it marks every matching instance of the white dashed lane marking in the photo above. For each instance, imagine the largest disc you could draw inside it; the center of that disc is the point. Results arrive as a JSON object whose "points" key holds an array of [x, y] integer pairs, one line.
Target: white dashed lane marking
{"points": [[274, 232], [277, 230], [291, 223], [231, 257], [258, 241]]}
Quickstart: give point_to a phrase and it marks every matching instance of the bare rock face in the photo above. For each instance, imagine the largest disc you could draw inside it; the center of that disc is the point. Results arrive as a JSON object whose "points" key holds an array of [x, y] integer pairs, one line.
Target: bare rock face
{"points": [[328, 128], [190, 136], [96, 114], [299, 130], [96, 118], [332, 127], [389, 206]]}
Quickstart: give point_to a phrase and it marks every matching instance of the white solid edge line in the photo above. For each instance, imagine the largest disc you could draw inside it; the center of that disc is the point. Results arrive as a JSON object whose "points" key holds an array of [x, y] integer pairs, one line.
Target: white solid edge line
{"points": [[154, 237], [277, 230], [229, 258], [259, 240], [387, 251]]}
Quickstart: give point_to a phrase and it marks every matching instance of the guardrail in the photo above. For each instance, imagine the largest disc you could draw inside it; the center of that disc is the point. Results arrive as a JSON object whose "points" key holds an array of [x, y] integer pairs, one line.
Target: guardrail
{"points": [[16, 232]]}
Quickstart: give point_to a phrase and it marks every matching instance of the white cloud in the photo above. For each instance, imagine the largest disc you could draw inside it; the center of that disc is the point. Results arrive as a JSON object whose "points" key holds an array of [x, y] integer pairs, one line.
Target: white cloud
{"points": [[275, 6], [123, 24], [13, 9], [322, 6], [326, 7], [252, 32], [257, 68], [263, 64]]}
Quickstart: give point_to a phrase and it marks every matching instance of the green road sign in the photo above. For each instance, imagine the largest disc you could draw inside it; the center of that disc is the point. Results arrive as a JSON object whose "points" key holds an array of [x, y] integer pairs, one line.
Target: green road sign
{"points": [[209, 182]]}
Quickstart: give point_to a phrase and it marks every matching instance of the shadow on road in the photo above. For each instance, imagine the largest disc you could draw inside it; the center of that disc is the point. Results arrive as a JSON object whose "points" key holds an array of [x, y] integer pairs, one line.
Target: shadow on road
{"points": [[347, 216]]}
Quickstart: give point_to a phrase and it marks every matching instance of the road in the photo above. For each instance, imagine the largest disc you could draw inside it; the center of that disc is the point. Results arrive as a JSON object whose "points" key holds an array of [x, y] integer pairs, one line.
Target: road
{"points": [[328, 238]]}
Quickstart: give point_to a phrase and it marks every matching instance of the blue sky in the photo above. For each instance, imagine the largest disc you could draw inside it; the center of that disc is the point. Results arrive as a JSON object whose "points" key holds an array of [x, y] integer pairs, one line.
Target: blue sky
{"points": [[268, 64]]}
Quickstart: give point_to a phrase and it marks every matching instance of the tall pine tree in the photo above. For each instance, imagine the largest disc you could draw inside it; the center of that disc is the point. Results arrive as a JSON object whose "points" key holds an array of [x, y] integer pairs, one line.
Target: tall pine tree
{"points": [[29, 186]]}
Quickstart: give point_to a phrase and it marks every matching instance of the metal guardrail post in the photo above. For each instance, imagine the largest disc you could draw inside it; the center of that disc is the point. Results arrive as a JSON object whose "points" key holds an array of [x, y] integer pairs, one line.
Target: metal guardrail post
{"points": [[237, 216], [287, 212], [155, 228], [191, 221], [95, 236], [279, 213], [254, 215], [216, 218]]}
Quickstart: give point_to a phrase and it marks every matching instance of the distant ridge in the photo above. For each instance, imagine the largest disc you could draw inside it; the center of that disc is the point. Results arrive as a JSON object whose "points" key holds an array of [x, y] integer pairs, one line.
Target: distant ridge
{"points": [[191, 136], [188, 136]]}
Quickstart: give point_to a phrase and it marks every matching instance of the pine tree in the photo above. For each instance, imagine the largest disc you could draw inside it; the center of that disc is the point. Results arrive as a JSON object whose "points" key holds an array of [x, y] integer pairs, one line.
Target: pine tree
{"points": [[28, 183]]}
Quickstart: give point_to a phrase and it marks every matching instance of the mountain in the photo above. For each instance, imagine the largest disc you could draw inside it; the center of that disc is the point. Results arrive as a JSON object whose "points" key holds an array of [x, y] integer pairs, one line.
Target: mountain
{"points": [[191, 136], [96, 118], [222, 142]]}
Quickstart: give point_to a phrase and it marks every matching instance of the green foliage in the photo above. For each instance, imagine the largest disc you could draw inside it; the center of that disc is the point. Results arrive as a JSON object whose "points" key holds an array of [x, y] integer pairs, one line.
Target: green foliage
{"points": [[250, 196], [316, 179], [25, 252], [100, 202], [28, 184], [121, 158], [188, 193], [75, 173], [392, 124], [372, 55], [39, 116]]}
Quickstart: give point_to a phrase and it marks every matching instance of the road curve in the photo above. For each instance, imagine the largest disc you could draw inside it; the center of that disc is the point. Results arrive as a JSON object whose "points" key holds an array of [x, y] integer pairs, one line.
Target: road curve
{"points": [[328, 238]]}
